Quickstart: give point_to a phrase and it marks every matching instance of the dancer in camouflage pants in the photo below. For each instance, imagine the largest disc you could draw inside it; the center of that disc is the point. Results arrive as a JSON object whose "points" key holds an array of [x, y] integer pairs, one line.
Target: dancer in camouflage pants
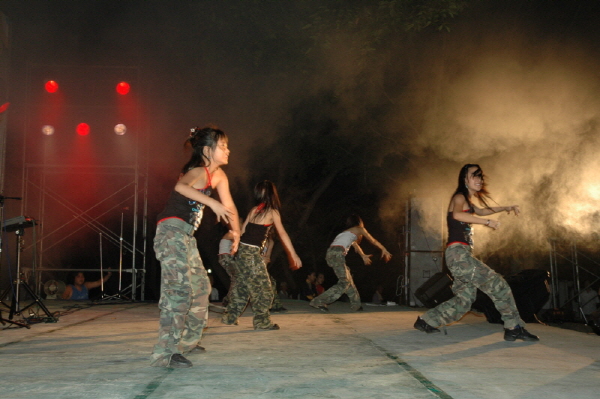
{"points": [[252, 284], [469, 275], [336, 259], [185, 288]]}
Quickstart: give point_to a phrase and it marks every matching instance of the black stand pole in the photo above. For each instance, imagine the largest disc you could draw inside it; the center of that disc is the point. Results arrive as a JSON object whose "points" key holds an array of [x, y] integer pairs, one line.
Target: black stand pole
{"points": [[14, 306]]}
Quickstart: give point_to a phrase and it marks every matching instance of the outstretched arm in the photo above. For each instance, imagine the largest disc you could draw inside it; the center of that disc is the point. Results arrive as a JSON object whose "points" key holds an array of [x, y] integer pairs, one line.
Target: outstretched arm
{"points": [[93, 284]]}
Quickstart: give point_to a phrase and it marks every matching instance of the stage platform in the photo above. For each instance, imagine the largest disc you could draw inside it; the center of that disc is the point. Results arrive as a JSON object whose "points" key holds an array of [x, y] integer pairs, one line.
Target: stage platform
{"points": [[102, 351]]}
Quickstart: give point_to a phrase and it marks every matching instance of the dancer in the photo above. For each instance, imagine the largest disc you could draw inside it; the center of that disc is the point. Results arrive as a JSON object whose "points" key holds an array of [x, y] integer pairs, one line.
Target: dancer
{"points": [[336, 259], [185, 286], [470, 273], [253, 283], [227, 261], [266, 253]]}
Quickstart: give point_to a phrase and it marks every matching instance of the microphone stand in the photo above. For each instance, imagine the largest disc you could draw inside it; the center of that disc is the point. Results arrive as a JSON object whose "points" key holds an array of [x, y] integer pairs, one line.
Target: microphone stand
{"points": [[2, 319]]}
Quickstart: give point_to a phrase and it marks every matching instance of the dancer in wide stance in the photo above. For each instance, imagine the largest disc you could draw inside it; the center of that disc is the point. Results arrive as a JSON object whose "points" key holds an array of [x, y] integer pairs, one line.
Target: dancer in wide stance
{"points": [[470, 273], [336, 259]]}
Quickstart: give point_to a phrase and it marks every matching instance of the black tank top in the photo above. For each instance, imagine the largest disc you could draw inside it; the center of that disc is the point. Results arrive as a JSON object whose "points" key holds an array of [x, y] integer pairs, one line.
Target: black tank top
{"points": [[459, 232], [256, 234], [181, 207]]}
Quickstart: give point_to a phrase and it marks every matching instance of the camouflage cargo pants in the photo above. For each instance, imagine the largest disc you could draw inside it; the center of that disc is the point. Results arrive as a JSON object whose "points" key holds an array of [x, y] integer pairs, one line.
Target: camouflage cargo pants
{"points": [[253, 284], [185, 288], [337, 261], [470, 274], [228, 262], [276, 301]]}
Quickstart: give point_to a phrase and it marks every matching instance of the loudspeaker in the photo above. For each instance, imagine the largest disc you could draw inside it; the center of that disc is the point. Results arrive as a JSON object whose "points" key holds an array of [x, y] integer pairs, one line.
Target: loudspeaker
{"points": [[436, 290], [530, 289], [425, 219], [423, 266]]}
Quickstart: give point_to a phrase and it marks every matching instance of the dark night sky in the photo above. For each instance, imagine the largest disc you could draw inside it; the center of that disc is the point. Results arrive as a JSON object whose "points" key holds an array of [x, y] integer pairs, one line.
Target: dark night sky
{"points": [[514, 85]]}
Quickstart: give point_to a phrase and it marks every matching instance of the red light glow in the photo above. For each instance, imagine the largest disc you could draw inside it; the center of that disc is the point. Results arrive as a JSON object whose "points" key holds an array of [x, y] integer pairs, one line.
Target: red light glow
{"points": [[123, 88], [51, 86], [83, 129]]}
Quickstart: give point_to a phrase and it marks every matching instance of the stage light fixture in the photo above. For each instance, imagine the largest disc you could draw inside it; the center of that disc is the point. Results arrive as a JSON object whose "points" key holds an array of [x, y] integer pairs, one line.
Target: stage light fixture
{"points": [[120, 129], [83, 129], [123, 88], [48, 130], [51, 86]]}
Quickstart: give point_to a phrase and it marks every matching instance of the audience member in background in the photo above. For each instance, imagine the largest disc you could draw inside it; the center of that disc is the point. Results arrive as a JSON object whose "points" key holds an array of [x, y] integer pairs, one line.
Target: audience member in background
{"points": [[283, 292], [309, 290], [79, 290], [319, 283], [378, 296]]}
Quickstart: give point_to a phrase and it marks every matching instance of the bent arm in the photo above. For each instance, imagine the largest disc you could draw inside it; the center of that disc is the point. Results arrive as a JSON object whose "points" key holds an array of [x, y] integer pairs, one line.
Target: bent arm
{"points": [[68, 292], [366, 258], [385, 254], [459, 207], [185, 187], [495, 209], [287, 242], [234, 218]]}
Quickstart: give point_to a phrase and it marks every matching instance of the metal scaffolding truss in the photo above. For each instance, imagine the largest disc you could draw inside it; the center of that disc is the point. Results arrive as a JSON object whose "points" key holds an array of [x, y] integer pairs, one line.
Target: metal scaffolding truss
{"points": [[41, 199], [570, 256], [81, 188]]}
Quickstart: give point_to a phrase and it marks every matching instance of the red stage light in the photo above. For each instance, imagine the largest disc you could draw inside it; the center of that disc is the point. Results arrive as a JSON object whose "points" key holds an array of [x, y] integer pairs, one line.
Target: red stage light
{"points": [[123, 88], [51, 86], [83, 129]]}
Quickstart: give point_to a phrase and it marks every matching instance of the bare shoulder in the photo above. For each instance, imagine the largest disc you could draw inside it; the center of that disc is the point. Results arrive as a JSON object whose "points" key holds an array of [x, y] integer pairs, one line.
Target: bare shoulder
{"points": [[458, 199], [219, 177], [357, 230]]}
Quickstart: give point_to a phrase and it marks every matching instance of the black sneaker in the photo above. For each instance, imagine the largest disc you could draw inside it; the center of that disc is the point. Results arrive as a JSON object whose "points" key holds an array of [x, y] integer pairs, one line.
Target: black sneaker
{"points": [[179, 362], [421, 325], [519, 333]]}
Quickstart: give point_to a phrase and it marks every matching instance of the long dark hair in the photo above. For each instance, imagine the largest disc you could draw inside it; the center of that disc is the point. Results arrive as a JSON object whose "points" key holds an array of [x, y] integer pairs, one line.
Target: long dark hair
{"points": [[482, 195], [199, 138], [266, 198]]}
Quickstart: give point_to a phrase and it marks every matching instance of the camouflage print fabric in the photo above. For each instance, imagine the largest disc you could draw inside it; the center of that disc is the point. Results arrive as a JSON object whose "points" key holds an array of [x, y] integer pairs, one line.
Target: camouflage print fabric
{"points": [[469, 275], [185, 288], [227, 261], [253, 284], [276, 301], [337, 261]]}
